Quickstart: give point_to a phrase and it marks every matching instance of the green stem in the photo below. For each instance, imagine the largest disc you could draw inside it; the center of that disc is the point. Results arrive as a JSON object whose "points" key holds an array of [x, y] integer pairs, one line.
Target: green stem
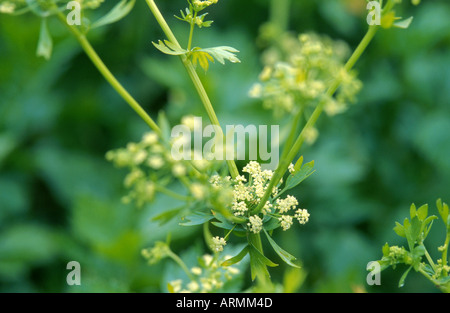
{"points": [[255, 240], [279, 14], [172, 194], [430, 260], [291, 137], [191, 32], [421, 270], [180, 262], [230, 232], [284, 163], [194, 77], [103, 69]]}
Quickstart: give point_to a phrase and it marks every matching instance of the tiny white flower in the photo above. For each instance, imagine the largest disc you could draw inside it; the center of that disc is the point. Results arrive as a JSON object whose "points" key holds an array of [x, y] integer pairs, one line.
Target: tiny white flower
{"points": [[218, 243], [198, 191], [196, 270], [286, 221], [179, 170], [302, 216], [150, 138], [155, 162], [291, 168], [255, 224]]}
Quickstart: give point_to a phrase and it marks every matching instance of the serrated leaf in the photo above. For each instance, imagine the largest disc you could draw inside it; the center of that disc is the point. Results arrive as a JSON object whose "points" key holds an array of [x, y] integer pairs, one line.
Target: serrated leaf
{"points": [[203, 58], [222, 53], [197, 218], [404, 24], [169, 48], [119, 11], [237, 258], [45, 43], [285, 256]]}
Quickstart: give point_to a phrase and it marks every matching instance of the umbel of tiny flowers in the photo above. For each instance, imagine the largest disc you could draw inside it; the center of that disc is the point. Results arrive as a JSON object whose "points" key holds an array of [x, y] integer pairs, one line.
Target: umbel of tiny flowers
{"points": [[247, 194], [209, 276], [297, 72], [200, 5], [153, 170]]}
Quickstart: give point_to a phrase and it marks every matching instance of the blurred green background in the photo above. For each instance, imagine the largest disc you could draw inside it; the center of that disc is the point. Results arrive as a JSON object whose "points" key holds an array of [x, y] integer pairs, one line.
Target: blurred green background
{"points": [[60, 198]]}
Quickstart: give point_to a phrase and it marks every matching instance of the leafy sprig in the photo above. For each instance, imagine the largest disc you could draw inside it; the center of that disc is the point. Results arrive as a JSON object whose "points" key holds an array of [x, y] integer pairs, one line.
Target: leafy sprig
{"points": [[415, 230], [197, 55]]}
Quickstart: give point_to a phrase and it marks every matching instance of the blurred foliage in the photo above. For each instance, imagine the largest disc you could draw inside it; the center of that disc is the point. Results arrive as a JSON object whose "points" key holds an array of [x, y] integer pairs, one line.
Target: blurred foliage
{"points": [[60, 198]]}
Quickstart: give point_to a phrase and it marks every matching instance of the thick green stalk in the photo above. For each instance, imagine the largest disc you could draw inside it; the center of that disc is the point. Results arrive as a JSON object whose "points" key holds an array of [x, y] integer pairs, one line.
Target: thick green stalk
{"points": [[284, 163], [279, 14], [103, 69], [194, 77]]}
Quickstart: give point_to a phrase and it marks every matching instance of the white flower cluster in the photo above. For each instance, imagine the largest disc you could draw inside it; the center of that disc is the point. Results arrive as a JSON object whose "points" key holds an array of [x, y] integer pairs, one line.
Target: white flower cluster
{"points": [[247, 194], [298, 72], [147, 160], [218, 243], [210, 276], [202, 4], [7, 7]]}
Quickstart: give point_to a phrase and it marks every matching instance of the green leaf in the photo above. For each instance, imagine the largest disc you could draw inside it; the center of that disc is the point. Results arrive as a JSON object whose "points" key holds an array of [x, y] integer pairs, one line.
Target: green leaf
{"points": [[222, 53], [416, 226], [419, 251], [404, 23], [222, 221], [285, 256], [412, 211], [119, 11], [202, 58], [45, 44], [399, 229], [237, 258], [169, 48], [443, 210], [298, 164], [401, 283], [271, 224], [299, 176], [259, 263], [422, 212], [386, 249], [197, 218], [167, 216], [428, 220]]}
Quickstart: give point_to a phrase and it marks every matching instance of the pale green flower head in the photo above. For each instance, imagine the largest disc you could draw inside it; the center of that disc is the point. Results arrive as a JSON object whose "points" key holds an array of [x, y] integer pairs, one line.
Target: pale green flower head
{"points": [[200, 5]]}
